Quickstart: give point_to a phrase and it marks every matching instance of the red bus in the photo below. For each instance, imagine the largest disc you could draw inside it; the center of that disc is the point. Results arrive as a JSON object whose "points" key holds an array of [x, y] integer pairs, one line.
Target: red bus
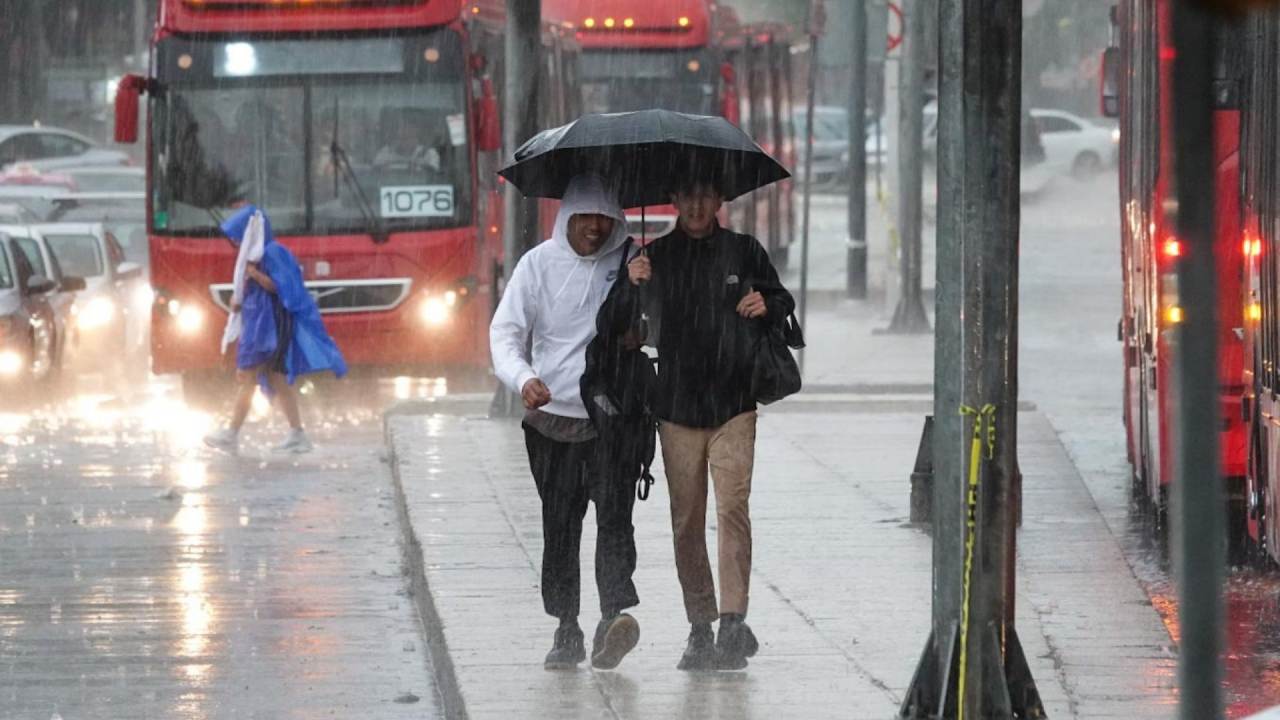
{"points": [[1260, 56], [1137, 88], [368, 132], [691, 56]]}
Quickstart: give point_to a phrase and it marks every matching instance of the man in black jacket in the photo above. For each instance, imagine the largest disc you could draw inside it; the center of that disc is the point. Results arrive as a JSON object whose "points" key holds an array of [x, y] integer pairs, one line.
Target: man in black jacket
{"points": [[708, 291]]}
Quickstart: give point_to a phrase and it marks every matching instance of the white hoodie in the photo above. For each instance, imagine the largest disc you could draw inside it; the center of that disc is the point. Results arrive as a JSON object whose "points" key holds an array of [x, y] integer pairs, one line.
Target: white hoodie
{"points": [[553, 297]]}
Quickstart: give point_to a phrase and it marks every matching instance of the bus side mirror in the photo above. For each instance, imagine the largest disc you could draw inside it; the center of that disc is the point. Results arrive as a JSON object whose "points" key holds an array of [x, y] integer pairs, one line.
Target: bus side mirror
{"points": [[1109, 90], [729, 98], [128, 94], [488, 125]]}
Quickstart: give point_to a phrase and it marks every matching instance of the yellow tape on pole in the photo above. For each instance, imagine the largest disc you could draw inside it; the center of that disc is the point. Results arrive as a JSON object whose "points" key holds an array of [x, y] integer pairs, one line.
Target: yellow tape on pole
{"points": [[986, 414]]}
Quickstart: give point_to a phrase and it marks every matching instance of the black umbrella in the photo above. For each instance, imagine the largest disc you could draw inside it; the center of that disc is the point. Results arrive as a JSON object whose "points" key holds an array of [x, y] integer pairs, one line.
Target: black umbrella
{"points": [[643, 154]]}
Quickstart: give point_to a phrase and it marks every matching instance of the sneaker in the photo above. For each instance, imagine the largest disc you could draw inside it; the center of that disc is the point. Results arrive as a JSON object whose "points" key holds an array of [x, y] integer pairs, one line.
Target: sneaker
{"points": [[615, 637], [700, 653], [226, 439], [567, 650], [296, 444], [735, 643]]}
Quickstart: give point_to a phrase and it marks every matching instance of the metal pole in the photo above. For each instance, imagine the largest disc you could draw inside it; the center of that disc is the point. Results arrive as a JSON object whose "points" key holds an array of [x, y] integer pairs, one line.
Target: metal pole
{"points": [[973, 664], [1198, 501], [856, 260], [814, 15], [909, 316], [519, 123]]}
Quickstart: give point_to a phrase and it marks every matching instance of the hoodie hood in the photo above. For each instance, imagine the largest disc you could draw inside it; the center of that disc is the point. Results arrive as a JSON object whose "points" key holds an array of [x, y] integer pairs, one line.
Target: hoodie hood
{"points": [[235, 226], [588, 195]]}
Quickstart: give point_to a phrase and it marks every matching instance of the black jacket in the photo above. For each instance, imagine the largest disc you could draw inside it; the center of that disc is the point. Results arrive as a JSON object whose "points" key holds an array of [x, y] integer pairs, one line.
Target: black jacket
{"points": [[706, 351]]}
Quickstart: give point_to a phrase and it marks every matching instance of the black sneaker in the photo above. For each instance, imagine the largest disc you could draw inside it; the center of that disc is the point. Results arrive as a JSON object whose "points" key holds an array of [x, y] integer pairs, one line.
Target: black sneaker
{"points": [[615, 637], [567, 651], [735, 643], [700, 653]]}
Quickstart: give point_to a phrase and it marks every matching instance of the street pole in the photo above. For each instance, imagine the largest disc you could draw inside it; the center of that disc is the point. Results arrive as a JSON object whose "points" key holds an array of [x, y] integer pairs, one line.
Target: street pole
{"points": [[856, 260], [1199, 534], [519, 123], [973, 665], [909, 316], [816, 19]]}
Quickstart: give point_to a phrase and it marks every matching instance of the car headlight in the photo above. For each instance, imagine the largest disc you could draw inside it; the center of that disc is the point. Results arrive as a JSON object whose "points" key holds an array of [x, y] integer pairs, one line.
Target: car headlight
{"points": [[96, 313], [1115, 135]]}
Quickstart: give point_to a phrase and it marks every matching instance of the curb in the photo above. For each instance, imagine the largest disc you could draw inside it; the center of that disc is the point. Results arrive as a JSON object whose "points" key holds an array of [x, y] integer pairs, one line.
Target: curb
{"points": [[446, 679]]}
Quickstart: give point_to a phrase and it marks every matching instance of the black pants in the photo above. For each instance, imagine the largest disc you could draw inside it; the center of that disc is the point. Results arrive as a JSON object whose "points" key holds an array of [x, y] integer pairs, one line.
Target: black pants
{"points": [[567, 476]]}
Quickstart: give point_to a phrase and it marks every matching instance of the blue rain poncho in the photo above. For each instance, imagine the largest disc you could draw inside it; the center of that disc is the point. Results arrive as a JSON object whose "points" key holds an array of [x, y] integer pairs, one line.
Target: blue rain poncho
{"points": [[310, 348]]}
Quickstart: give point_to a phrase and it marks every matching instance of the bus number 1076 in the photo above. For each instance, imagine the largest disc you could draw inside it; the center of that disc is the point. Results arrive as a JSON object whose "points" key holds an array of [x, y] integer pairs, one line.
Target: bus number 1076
{"points": [[403, 201]]}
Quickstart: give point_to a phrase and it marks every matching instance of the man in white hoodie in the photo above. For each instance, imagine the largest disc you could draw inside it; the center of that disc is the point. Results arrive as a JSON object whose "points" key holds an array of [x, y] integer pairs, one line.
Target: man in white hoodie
{"points": [[538, 340]]}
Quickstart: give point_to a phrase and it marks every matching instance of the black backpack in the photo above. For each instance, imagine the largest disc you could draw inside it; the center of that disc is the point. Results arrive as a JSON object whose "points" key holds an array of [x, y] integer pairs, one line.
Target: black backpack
{"points": [[617, 388]]}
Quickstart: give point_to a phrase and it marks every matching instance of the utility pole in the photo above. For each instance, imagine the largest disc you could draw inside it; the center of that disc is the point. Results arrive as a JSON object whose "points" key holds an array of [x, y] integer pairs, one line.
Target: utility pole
{"points": [[909, 315], [973, 665], [519, 123], [1199, 544], [817, 19], [856, 260]]}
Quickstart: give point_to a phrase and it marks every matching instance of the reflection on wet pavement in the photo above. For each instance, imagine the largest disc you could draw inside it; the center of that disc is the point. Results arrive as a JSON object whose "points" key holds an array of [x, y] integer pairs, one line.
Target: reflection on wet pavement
{"points": [[1251, 657], [147, 577]]}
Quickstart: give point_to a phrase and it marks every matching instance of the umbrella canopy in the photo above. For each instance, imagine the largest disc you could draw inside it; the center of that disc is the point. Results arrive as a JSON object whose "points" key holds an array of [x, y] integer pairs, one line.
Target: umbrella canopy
{"points": [[643, 154]]}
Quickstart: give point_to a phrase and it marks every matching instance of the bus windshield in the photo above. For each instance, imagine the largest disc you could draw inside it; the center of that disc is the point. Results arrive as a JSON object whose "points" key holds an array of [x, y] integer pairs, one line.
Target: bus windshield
{"points": [[335, 152], [626, 80]]}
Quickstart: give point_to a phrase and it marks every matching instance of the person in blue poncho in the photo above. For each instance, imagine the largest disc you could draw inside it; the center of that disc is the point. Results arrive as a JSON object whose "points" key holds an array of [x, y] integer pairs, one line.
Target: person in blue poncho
{"points": [[276, 326]]}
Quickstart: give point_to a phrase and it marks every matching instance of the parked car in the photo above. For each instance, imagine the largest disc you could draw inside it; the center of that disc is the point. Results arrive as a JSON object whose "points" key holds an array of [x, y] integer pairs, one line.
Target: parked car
{"points": [[1074, 145], [831, 144], [106, 329], [107, 178], [47, 148], [30, 348]]}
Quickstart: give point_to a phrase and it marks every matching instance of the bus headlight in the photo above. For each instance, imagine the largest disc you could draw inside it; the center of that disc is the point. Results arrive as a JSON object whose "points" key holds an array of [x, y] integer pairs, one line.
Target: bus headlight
{"points": [[435, 311], [189, 318], [96, 313], [10, 363]]}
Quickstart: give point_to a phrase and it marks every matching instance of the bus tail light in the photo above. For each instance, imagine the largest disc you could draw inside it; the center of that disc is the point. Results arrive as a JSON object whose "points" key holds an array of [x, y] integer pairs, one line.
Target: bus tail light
{"points": [[1172, 315], [1171, 248], [1253, 311], [1252, 247]]}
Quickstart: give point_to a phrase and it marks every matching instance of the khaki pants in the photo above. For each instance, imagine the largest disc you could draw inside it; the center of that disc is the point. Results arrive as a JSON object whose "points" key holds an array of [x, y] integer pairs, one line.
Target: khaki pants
{"points": [[729, 452]]}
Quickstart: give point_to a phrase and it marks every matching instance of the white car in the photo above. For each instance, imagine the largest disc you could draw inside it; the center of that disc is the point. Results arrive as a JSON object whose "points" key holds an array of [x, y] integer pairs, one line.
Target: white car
{"points": [[108, 317], [46, 148], [1074, 145]]}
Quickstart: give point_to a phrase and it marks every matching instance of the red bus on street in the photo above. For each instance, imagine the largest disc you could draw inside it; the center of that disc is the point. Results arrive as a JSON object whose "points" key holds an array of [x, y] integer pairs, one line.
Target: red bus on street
{"points": [[1137, 88], [1259, 55], [691, 56], [368, 132]]}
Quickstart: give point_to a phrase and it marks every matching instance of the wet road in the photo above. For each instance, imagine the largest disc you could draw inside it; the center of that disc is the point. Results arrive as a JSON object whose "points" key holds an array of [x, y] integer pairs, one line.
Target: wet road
{"points": [[143, 576], [1071, 368]]}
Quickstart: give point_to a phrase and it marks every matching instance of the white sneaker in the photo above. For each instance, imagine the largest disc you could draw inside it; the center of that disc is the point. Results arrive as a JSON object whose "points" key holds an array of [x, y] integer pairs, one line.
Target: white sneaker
{"points": [[226, 439], [295, 444]]}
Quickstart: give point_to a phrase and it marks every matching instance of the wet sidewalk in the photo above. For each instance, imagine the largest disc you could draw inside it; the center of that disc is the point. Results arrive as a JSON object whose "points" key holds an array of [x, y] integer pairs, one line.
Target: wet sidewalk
{"points": [[840, 582]]}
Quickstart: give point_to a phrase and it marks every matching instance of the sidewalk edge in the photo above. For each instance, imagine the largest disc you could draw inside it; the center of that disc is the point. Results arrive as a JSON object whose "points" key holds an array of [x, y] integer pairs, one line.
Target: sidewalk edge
{"points": [[446, 679]]}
